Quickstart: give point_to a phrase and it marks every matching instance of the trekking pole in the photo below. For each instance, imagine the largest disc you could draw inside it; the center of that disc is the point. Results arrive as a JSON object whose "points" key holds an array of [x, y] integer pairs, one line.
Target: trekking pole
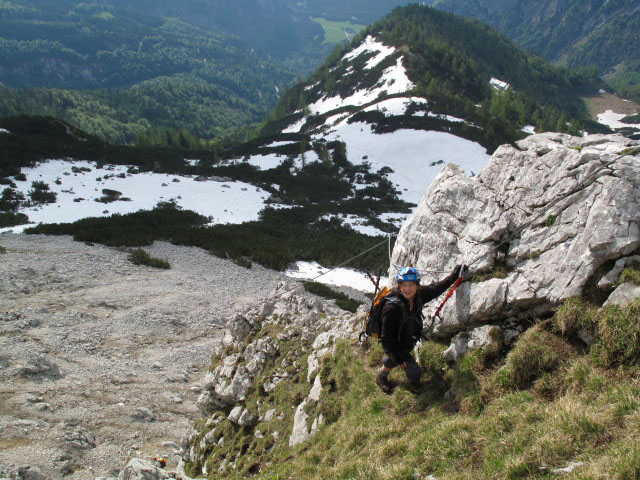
{"points": [[436, 314]]}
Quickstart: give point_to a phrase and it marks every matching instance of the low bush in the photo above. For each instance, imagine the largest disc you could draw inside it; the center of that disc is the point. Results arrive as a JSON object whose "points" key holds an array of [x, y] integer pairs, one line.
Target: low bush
{"points": [[618, 340], [11, 219], [535, 353], [342, 300], [630, 274], [140, 257], [575, 316], [40, 193]]}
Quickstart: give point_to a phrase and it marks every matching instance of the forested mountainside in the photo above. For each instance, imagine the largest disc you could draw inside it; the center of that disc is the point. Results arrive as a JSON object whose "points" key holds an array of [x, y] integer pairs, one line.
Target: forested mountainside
{"points": [[118, 73], [451, 61], [575, 33]]}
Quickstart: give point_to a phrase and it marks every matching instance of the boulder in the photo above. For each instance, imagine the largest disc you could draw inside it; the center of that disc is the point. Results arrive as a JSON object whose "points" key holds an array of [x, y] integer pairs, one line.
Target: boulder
{"points": [[624, 294], [539, 221], [138, 469], [300, 431]]}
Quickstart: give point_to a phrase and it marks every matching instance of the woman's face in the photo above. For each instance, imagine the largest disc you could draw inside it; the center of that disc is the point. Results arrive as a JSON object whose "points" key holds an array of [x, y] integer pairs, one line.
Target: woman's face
{"points": [[408, 289]]}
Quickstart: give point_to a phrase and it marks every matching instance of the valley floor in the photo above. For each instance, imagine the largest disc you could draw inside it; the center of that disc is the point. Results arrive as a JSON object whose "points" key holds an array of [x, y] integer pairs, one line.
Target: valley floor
{"points": [[99, 357]]}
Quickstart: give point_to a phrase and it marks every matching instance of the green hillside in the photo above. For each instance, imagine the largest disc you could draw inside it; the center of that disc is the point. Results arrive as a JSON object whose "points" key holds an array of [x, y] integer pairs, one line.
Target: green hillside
{"points": [[505, 412], [576, 33], [117, 73], [451, 60]]}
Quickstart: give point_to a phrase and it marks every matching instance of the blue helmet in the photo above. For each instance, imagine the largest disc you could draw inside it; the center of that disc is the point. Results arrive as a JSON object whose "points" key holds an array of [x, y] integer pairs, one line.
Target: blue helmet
{"points": [[408, 274]]}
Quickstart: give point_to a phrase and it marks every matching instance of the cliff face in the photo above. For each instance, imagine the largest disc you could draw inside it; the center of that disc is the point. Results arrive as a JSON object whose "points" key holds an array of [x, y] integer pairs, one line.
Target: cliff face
{"points": [[540, 221]]}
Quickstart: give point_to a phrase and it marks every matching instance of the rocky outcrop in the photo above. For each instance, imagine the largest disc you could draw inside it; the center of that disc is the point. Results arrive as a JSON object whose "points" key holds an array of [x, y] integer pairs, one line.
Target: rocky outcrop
{"points": [[539, 221], [281, 339]]}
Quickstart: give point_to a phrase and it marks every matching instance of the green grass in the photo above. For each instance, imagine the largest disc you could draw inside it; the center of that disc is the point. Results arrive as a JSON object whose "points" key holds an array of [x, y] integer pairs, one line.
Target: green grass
{"points": [[543, 406], [334, 31]]}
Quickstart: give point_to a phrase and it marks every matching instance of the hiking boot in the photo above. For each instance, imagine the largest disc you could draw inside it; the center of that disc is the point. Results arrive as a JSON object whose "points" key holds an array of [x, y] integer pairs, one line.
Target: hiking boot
{"points": [[415, 387], [383, 383]]}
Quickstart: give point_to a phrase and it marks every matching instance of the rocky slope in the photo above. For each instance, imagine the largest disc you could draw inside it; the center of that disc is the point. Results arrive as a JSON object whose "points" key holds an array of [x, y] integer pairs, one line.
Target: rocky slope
{"points": [[565, 207], [99, 358]]}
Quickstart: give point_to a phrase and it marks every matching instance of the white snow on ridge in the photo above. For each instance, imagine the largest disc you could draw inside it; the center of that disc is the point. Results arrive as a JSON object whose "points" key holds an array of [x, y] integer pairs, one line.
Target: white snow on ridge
{"points": [[3, 130], [416, 156], [393, 80], [396, 106], [295, 127], [371, 45], [266, 162], [612, 120], [279, 144], [226, 202]]}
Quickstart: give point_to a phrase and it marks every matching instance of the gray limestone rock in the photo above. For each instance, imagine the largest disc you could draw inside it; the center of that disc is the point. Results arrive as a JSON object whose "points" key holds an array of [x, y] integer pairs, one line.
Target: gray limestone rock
{"points": [[40, 365], [138, 469], [542, 218], [300, 430], [624, 294], [143, 414]]}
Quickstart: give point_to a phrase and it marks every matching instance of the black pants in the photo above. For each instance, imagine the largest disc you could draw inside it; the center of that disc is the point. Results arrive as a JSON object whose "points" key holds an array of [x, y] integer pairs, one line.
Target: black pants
{"points": [[412, 369]]}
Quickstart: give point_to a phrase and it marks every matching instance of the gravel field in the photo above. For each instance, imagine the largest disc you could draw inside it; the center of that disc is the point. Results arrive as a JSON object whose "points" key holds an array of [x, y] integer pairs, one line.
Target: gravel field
{"points": [[99, 358]]}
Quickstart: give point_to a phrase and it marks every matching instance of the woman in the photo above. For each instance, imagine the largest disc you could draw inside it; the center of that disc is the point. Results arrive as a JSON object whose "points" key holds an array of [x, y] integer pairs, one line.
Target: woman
{"points": [[402, 323]]}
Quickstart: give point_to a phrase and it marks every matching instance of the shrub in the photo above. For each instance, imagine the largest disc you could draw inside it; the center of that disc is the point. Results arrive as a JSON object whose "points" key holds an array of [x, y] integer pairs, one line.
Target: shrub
{"points": [[431, 362], [500, 270], [550, 220], [574, 316], [342, 301], [243, 262], [11, 219], [140, 257], [536, 352], [618, 341], [631, 274], [2, 250], [10, 200], [40, 193]]}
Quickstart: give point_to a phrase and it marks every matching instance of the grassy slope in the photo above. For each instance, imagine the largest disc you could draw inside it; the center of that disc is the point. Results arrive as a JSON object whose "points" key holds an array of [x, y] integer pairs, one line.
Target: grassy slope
{"points": [[333, 31], [571, 405]]}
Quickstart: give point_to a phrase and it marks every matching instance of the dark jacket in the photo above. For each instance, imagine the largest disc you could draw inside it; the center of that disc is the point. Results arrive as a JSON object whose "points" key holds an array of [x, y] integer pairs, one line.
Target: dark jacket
{"points": [[401, 330]]}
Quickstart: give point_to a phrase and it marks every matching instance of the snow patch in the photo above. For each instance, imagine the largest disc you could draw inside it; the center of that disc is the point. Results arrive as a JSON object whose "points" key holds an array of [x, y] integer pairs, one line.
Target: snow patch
{"points": [[2, 130], [279, 144], [396, 106], [340, 277], [393, 80], [266, 162], [416, 156], [295, 127], [371, 45], [225, 202], [612, 120]]}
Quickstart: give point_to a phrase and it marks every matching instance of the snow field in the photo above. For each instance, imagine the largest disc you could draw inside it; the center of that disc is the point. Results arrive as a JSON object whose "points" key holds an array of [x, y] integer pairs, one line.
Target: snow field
{"points": [[414, 155], [340, 277], [225, 202], [612, 120]]}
